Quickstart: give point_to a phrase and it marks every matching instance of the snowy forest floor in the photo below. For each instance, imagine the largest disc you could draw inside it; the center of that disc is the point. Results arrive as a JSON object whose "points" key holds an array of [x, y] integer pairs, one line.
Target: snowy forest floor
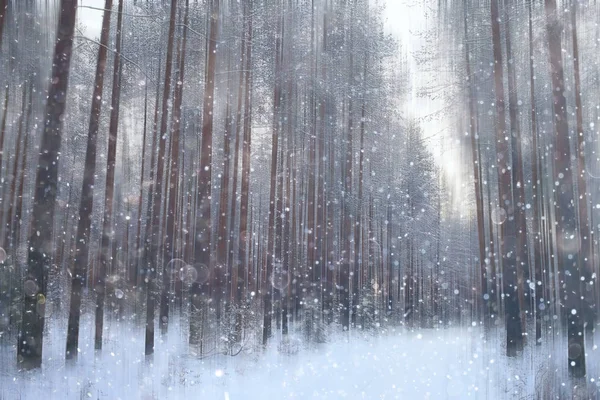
{"points": [[451, 363]]}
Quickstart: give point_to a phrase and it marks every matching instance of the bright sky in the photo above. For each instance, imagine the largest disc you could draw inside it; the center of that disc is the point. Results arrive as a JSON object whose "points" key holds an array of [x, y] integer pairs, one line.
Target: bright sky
{"points": [[92, 19]]}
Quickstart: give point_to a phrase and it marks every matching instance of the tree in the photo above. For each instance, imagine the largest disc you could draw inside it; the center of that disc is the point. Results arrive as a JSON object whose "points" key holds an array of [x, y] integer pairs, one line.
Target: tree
{"points": [[87, 193], [203, 216], [567, 232], [507, 237], [170, 238], [153, 240], [475, 159], [40, 254], [109, 184]]}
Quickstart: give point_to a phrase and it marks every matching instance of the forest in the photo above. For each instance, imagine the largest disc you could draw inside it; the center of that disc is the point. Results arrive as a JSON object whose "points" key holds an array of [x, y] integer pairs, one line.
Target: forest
{"points": [[207, 198]]}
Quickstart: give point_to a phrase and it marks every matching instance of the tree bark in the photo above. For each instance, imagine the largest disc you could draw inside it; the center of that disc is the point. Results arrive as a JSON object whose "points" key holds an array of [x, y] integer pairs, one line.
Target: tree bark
{"points": [[567, 233], [537, 197], [87, 193], [29, 347], [587, 265], [507, 239], [154, 241], [475, 157], [170, 237], [268, 290], [203, 224], [107, 223]]}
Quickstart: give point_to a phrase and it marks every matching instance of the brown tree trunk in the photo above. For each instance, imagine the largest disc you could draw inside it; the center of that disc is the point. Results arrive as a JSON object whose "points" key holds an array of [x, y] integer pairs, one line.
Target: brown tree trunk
{"points": [[3, 171], [17, 220], [268, 290], [150, 179], [107, 223], [29, 347], [567, 235], [587, 265], [134, 271], [82, 238], [359, 208], [9, 239], [347, 213], [153, 242], [522, 256], [222, 268], [203, 215], [507, 239], [476, 175], [172, 218], [236, 285], [244, 237], [3, 12], [537, 197]]}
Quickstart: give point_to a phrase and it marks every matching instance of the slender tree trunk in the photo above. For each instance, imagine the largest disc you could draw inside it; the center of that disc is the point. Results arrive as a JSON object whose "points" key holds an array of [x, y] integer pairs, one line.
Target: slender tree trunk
{"points": [[133, 277], [3, 174], [508, 240], [172, 218], [537, 198], [150, 179], [359, 208], [203, 224], [268, 292], [567, 235], [107, 223], [244, 240], [236, 286], [522, 256], [347, 213], [17, 220], [82, 239], [153, 241], [3, 12], [10, 238], [29, 347], [587, 266], [222, 267], [476, 174]]}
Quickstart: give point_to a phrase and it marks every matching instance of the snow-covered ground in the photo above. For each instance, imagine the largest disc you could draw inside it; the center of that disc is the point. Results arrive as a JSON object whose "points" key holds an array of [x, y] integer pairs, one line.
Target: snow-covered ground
{"points": [[454, 363]]}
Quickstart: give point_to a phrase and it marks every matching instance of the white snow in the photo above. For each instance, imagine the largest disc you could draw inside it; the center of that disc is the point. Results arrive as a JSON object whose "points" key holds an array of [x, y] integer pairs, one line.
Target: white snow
{"points": [[453, 363]]}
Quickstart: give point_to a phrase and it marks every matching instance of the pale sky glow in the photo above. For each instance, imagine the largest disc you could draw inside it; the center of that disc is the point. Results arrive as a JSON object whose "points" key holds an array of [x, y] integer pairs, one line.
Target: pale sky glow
{"points": [[92, 19], [405, 19]]}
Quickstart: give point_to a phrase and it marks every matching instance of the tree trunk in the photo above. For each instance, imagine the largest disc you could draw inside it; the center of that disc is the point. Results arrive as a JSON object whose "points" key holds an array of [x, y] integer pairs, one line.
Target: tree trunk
{"points": [[3, 12], [3, 174], [518, 184], [203, 224], [222, 267], [475, 159], [150, 179], [17, 220], [172, 218], [245, 237], [154, 242], [359, 208], [268, 290], [29, 347], [537, 197], [507, 239], [82, 239], [567, 235], [107, 223], [587, 265], [10, 238]]}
